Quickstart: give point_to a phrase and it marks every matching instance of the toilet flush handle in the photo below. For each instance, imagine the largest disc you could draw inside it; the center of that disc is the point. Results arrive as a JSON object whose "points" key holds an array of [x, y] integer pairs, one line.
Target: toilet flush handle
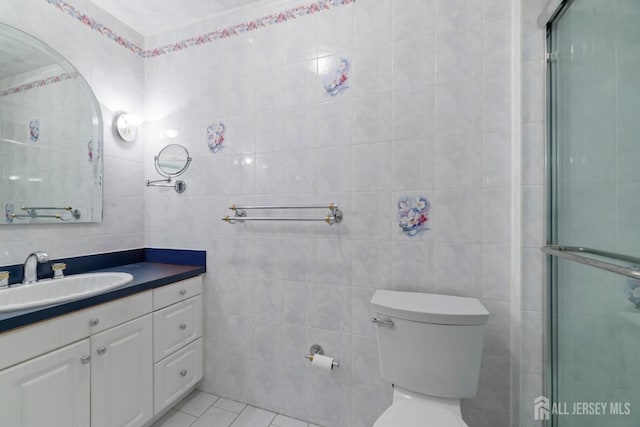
{"points": [[383, 322]]}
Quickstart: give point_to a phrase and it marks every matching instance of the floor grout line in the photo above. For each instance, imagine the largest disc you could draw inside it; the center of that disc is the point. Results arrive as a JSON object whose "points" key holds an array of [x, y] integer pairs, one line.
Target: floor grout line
{"points": [[272, 418], [274, 415], [234, 420]]}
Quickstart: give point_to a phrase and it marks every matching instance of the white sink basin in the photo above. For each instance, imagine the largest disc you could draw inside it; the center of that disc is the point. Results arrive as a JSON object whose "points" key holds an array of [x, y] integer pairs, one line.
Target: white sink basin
{"points": [[47, 292]]}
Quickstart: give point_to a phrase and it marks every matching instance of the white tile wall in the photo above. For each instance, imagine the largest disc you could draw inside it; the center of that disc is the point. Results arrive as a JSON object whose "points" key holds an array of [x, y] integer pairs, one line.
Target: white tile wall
{"points": [[533, 301], [418, 118]]}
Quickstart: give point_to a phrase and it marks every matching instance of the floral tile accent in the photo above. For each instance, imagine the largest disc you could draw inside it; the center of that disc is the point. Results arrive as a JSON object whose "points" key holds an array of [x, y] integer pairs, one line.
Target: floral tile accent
{"points": [[9, 210], [231, 31], [336, 81], [95, 157], [34, 130], [413, 215], [39, 83], [215, 137], [90, 150]]}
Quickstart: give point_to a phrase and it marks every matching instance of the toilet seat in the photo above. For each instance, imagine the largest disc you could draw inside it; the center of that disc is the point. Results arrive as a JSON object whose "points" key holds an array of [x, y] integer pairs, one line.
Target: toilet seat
{"points": [[412, 410]]}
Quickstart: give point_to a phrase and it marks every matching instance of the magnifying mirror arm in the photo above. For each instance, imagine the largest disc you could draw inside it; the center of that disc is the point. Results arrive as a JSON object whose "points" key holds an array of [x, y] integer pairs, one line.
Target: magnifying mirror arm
{"points": [[179, 186], [154, 182]]}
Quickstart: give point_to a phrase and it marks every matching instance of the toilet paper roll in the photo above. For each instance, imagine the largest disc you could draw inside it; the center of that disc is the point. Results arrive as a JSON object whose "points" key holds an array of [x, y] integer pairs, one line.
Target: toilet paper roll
{"points": [[322, 363]]}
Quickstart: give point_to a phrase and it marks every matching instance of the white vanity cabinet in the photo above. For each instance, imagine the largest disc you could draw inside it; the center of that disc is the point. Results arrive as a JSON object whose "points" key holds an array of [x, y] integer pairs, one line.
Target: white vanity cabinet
{"points": [[52, 390], [97, 367]]}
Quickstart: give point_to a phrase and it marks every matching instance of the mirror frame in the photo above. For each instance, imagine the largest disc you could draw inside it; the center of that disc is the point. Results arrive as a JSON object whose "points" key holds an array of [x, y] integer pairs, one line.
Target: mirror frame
{"points": [[184, 168]]}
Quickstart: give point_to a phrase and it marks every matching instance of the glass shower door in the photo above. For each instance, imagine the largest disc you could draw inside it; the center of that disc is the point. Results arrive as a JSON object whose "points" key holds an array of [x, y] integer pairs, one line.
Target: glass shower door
{"points": [[594, 190]]}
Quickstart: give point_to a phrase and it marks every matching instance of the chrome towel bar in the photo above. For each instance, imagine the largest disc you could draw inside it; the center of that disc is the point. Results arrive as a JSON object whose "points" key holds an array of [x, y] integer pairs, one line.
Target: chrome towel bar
{"points": [[32, 212], [46, 208], [333, 217], [232, 219], [571, 253], [330, 206]]}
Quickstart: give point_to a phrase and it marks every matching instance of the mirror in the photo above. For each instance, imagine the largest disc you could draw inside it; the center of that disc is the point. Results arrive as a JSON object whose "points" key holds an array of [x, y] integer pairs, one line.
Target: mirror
{"points": [[172, 161], [50, 136]]}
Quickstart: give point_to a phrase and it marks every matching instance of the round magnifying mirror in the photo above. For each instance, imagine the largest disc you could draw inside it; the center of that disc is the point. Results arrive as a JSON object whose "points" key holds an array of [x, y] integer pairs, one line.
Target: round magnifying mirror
{"points": [[173, 160]]}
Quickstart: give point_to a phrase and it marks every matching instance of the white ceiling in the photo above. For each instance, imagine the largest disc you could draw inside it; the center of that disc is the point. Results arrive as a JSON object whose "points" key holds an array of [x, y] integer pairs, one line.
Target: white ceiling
{"points": [[155, 16]]}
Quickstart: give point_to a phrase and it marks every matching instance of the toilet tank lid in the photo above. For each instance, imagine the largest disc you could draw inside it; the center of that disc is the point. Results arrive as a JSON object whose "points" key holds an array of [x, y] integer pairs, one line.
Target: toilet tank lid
{"points": [[430, 308]]}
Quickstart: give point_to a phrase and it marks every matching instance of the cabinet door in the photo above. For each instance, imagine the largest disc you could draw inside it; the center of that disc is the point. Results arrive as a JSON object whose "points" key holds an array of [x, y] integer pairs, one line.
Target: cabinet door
{"points": [[122, 375], [51, 390]]}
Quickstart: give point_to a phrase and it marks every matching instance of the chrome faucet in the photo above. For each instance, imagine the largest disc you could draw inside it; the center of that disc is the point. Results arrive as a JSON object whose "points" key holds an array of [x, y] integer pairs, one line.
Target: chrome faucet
{"points": [[31, 266]]}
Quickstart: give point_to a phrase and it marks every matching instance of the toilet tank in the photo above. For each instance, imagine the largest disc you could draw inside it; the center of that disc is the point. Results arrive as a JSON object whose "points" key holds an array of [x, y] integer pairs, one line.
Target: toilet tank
{"points": [[434, 346]]}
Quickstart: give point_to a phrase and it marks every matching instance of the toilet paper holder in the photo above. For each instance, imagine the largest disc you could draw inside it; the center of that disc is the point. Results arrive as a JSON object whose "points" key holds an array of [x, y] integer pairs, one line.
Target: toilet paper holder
{"points": [[317, 349]]}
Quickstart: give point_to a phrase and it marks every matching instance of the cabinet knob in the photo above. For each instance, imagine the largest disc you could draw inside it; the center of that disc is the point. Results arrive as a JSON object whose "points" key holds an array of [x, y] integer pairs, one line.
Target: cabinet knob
{"points": [[183, 373], [182, 291], [94, 322], [101, 350], [85, 359], [183, 326]]}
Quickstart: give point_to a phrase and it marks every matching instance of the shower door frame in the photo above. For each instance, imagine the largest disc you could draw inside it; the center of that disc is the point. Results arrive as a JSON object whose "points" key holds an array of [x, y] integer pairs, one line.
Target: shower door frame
{"points": [[551, 273], [551, 218]]}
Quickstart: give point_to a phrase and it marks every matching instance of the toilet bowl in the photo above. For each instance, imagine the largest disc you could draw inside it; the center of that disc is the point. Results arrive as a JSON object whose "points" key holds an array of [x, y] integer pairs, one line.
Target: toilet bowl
{"points": [[430, 349], [415, 410]]}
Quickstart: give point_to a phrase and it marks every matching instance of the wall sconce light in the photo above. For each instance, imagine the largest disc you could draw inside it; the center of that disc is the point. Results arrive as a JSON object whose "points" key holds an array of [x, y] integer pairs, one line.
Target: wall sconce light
{"points": [[126, 126]]}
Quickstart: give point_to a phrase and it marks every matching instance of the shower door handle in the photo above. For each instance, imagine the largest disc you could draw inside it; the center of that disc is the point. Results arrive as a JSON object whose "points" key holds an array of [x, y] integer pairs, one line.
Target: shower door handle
{"points": [[571, 253]]}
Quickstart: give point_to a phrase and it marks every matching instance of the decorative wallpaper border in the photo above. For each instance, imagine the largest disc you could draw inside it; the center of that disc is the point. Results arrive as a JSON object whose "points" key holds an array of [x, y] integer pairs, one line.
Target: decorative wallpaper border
{"points": [[231, 31], [96, 26], [39, 83]]}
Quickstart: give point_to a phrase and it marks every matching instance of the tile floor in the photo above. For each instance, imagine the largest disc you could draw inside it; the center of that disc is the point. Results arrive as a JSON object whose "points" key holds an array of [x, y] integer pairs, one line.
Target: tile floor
{"points": [[201, 409]]}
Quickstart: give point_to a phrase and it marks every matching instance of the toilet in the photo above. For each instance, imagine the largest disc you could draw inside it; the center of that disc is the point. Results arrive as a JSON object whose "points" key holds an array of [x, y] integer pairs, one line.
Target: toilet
{"points": [[429, 348]]}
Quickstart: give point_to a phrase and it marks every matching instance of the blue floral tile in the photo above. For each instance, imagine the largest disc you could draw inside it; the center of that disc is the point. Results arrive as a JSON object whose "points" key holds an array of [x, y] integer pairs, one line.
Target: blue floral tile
{"points": [[215, 137], [34, 130], [337, 81], [413, 215]]}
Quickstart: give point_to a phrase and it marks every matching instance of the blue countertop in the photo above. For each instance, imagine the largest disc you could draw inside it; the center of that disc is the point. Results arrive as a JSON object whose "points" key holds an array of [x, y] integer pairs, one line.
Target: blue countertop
{"points": [[146, 275]]}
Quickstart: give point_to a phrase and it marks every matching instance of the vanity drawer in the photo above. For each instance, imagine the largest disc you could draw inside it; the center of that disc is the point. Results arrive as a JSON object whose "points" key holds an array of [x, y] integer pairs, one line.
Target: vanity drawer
{"points": [[176, 374], [42, 337], [176, 292], [175, 326]]}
